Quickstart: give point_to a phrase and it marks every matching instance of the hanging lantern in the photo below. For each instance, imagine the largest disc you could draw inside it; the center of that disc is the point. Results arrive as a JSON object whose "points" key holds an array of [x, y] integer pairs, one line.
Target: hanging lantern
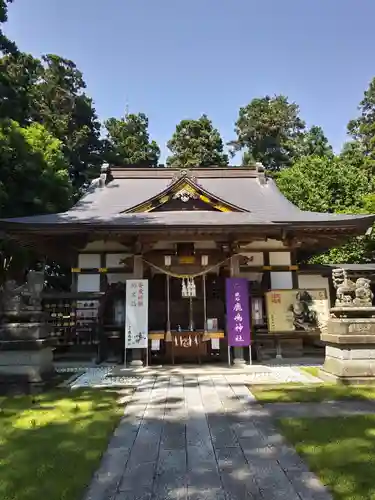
{"points": [[193, 288], [184, 291], [188, 288]]}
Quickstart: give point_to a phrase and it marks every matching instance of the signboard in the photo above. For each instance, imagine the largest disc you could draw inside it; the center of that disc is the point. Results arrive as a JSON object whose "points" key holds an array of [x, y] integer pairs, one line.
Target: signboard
{"points": [[238, 318], [187, 259], [298, 310], [136, 313]]}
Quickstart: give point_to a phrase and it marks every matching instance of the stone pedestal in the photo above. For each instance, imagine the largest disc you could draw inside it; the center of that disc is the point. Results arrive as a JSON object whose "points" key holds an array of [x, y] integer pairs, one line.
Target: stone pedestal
{"points": [[30, 363], [136, 358], [350, 345], [26, 355], [238, 356]]}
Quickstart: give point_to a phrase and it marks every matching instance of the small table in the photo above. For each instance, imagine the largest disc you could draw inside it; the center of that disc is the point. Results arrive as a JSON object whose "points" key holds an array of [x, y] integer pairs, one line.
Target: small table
{"points": [[188, 344]]}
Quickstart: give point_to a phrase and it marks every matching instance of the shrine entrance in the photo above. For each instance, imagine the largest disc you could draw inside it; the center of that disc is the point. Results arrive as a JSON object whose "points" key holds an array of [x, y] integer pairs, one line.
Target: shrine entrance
{"points": [[191, 312]]}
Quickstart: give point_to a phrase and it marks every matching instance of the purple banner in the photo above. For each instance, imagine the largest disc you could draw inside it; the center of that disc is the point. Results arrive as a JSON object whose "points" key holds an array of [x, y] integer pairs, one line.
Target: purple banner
{"points": [[238, 317]]}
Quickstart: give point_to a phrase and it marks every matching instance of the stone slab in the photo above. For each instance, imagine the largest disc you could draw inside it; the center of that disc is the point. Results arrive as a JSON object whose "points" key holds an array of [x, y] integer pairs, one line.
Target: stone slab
{"points": [[351, 326], [41, 357], [350, 367], [24, 331], [26, 344], [329, 377], [351, 352], [27, 366], [347, 339]]}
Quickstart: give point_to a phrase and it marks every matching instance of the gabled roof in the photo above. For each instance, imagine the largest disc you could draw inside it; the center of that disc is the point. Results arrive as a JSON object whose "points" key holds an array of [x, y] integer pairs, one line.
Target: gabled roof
{"points": [[125, 197], [244, 188], [185, 187]]}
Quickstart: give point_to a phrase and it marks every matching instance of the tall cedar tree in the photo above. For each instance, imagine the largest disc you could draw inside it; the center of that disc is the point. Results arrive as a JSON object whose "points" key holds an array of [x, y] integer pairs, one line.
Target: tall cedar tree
{"points": [[269, 129], [33, 180], [196, 143], [62, 106], [19, 75], [128, 142], [362, 129], [6, 45]]}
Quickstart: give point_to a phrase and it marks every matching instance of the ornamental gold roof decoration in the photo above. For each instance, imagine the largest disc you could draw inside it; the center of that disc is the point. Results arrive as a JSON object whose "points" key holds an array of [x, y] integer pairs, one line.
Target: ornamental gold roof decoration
{"points": [[186, 193]]}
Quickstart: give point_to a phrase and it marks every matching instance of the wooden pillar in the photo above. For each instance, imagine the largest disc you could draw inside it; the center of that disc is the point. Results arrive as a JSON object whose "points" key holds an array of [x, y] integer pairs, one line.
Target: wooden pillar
{"points": [[293, 260], [204, 303], [168, 279], [267, 274], [103, 275]]}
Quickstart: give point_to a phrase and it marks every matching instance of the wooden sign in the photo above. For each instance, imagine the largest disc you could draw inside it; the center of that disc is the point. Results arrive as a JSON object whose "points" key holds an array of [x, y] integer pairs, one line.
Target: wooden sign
{"points": [[187, 259]]}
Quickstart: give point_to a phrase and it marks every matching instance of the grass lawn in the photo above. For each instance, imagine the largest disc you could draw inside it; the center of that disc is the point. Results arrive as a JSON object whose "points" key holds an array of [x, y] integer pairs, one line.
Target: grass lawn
{"points": [[341, 451], [51, 444], [288, 393], [311, 370]]}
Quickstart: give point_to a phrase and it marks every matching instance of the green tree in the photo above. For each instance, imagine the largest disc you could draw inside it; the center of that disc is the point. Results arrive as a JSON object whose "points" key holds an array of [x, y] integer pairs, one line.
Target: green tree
{"points": [[51, 93], [62, 106], [362, 129], [19, 74], [329, 184], [128, 142], [323, 184], [268, 129], [33, 180], [6, 45], [313, 142], [353, 154], [33, 175], [196, 143]]}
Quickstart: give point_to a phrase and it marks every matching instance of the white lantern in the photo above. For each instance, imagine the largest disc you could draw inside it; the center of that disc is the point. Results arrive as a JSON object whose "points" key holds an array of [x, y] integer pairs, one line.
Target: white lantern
{"points": [[193, 288], [184, 291]]}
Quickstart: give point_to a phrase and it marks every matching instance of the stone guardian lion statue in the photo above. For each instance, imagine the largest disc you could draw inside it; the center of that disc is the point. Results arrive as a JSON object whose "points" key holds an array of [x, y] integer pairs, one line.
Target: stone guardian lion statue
{"points": [[344, 287]]}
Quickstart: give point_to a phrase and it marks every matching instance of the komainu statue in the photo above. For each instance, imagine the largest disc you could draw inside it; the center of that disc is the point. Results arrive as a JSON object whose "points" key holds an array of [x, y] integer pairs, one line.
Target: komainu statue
{"points": [[12, 299], [363, 293], [350, 293], [344, 287], [26, 297]]}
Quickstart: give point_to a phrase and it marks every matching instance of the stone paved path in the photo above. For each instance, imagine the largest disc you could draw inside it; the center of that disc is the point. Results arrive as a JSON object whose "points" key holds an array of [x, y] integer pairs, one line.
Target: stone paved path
{"points": [[200, 438], [116, 376]]}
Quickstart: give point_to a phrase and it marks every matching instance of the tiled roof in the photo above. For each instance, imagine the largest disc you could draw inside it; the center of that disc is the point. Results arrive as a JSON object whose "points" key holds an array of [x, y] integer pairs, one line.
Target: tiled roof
{"points": [[258, 197]]}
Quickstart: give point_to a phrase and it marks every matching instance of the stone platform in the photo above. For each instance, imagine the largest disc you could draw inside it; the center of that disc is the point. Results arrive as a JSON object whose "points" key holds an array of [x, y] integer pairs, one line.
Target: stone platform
{"points": [[26, 355], [350, 346], [26, 365]]}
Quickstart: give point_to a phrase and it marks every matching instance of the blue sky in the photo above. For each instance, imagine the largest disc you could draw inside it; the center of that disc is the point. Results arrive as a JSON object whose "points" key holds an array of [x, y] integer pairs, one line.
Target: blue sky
{"points": [[175, 59]]}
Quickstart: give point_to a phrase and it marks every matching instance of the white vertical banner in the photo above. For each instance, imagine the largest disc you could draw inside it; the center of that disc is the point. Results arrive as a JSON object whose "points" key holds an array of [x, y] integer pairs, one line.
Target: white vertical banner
{"points": [[136, 323]]}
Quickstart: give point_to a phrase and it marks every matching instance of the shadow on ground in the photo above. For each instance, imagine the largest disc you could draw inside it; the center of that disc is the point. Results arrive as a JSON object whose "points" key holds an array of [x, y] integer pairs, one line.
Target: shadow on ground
{"points": [[51, 443], [197, 440], [200, 441]]}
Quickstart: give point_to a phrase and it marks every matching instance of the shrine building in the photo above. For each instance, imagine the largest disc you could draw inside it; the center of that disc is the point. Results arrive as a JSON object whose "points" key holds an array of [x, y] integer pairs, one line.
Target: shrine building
{"points": [[184, 232]]}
